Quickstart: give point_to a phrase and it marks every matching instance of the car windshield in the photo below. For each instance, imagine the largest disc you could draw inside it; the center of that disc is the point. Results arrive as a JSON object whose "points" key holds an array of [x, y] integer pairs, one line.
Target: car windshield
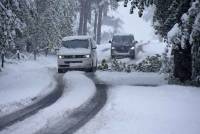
{"points": [[76, 44], [122, 39]]}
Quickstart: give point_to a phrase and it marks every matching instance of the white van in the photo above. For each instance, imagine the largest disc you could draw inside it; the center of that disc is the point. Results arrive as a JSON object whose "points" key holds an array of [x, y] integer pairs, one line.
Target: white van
{"points": [[77, 53]]}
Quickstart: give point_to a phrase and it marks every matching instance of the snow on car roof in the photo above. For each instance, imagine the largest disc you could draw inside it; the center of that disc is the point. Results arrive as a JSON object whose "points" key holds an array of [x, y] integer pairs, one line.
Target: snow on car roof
{"points": [[68, 38], [123, 35]]}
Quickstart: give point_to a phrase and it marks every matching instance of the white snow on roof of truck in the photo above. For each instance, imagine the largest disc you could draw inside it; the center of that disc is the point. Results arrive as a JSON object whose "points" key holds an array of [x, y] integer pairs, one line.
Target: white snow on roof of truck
{"points": [[76, 38]]}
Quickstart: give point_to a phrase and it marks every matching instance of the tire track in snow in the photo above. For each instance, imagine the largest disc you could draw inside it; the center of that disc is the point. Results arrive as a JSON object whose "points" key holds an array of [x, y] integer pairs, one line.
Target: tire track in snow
{"points": [[26, 112], [83, 114]]}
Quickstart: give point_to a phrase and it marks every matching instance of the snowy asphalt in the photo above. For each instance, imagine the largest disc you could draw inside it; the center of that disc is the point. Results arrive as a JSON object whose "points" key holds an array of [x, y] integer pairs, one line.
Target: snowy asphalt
{"points": [[26, 112]]}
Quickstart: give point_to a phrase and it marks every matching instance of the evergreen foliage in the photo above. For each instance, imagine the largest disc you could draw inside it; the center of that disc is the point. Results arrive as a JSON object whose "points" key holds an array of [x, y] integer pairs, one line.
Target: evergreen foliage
{"points": [[28, 24]]}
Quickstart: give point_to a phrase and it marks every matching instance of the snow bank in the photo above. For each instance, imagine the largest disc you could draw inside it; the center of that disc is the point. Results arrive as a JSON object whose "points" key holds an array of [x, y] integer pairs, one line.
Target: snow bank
{"points": [[154, 47], [150, 48], [78, 90], [68, 38], [134, 78], [103, 52], [25, 83], [148, 110]]}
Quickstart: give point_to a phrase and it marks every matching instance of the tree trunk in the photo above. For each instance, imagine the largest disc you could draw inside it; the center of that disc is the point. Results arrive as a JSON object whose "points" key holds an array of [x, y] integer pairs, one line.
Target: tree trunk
{"points": [[183, 64], [99, 24], [81, 18], [90, 13], [85, 20], [95, 25], [196, 61]]}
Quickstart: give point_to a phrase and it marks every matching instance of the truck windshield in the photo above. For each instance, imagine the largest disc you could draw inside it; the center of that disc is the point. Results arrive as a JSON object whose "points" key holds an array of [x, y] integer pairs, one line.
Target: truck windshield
{"points": [[122, 40], [76, 44]]}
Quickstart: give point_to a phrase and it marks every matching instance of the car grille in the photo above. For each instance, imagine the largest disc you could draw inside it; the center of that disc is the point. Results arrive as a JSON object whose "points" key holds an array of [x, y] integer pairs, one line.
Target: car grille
{"points": [[73, 56], [68, 62], [63, 65], [122, 49]]}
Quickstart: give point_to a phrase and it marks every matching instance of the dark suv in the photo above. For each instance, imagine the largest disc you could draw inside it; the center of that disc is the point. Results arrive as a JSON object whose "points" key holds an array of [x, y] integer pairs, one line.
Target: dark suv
{"points": [[123, 46]]}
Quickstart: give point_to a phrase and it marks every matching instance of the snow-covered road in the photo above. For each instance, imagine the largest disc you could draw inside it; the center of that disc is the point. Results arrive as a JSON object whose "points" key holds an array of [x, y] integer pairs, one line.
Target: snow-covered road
{"points": [[148, 110], [34, 107], [78, 104], [26, 82]]}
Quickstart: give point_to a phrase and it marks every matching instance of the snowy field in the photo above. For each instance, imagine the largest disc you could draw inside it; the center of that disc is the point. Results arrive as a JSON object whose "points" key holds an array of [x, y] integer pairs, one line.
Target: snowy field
{"points": [[25, 82], [78, 90], [148, 110]]}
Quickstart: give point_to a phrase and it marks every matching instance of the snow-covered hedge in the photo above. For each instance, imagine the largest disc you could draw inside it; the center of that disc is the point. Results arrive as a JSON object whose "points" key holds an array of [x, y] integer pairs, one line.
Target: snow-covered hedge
{"points": [[150, 64]]}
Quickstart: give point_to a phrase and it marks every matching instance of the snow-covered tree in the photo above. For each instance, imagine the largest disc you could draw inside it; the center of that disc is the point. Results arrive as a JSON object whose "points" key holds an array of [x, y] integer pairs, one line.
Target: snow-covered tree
{"points": [[55, 20], [28, 24], [99, 9], [10, 24], [195, 41]]}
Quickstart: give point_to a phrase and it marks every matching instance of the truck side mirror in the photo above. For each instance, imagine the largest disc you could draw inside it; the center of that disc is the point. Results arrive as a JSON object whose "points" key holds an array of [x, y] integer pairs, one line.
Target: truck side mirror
{"points": [[110, 41], [135, 42]]}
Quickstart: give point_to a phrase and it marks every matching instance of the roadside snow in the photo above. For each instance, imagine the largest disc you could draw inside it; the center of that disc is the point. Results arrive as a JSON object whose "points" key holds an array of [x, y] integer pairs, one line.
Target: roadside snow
{"points": [[24, 83], [78, 90], [154, 47], [148, 110], [68, 38], [134, 78], [103, 52]]}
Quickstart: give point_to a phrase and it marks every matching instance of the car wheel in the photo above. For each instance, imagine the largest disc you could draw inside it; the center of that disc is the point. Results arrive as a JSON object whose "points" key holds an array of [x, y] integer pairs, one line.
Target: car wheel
{"points": [[132, 56]]}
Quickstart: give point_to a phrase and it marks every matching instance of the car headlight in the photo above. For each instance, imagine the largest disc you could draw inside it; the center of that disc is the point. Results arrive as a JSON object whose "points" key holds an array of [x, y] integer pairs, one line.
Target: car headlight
{"points": [[60, 57], [87, 56], [132, 48], [113, 47]]}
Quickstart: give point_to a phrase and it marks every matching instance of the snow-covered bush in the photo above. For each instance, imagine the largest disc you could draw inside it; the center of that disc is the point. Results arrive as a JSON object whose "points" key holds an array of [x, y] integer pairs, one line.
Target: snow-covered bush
{"points": [[103, 66], [118, 66], [150, 64]]}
